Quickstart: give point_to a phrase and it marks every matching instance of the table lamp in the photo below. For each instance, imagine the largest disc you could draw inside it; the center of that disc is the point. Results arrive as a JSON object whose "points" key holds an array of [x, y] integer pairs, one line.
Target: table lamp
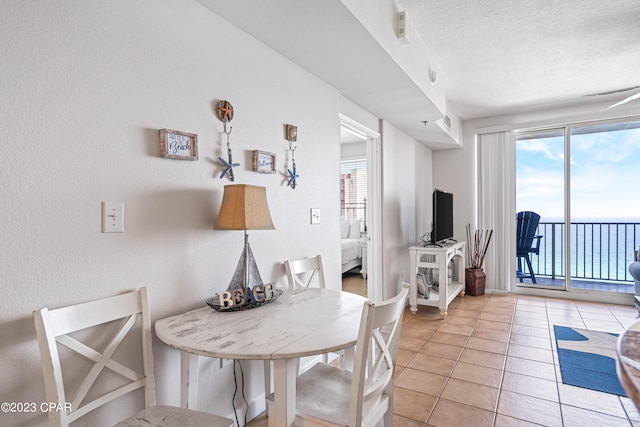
{"points": [[244, 207]]}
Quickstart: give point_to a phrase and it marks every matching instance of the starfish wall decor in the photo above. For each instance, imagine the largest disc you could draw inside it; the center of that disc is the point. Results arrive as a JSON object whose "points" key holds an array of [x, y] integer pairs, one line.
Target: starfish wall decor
{"points": [[292, 174], [224, 110]]}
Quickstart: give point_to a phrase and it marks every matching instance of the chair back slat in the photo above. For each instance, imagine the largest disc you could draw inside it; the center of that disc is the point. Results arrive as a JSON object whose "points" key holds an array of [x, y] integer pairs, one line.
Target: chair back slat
{"points": [[302, 273], [54, 326], [99, 365], [85, 315], [105, 398], [526, 226], [376, 351], [93, 355]]}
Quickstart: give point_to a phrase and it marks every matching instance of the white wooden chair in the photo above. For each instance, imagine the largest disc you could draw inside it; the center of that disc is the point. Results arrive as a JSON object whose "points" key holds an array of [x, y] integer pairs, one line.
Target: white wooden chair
{"points": [[330, 396], [54, 327], [301, 273]]}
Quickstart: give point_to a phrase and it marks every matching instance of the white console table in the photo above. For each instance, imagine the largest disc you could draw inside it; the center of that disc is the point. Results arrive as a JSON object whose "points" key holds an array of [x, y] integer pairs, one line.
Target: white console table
{"points": [[437, 258]]}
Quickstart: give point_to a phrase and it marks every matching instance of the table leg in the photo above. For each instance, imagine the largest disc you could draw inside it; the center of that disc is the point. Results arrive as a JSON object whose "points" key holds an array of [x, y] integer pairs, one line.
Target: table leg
{"points": [[284, 398], [268, 380], [188, 380], [349, 357]]}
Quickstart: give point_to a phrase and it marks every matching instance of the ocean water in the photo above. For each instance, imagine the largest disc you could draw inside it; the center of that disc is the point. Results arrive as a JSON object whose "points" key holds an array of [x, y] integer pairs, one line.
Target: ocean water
{"points": [[601, 249]]}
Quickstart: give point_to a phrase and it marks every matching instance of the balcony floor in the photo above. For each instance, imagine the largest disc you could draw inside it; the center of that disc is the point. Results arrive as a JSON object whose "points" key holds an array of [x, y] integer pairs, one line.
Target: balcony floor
{"points": [[623, 287]]}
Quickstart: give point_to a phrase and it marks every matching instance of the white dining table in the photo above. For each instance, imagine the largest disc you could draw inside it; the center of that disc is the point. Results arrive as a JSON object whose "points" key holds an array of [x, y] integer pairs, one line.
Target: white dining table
{"points": [[301, 322]]}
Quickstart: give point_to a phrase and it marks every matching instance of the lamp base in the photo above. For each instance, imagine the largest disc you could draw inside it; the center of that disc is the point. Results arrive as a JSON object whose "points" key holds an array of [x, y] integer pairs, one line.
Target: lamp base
{"points": [[246, 274], [246, 289]]}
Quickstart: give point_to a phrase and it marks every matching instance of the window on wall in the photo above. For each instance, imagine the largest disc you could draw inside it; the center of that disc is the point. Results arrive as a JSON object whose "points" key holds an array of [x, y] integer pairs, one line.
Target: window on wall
{"points": [[353, 189]]}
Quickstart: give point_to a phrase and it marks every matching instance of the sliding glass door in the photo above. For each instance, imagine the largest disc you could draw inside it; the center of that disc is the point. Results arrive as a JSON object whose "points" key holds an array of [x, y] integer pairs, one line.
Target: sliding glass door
{"points": [[605, 205], [583, 182], [540, 189]]}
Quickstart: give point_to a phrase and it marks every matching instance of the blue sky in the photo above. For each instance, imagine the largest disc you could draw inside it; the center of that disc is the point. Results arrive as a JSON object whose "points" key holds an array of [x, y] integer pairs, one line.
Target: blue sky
{"points": [[605, 175]]}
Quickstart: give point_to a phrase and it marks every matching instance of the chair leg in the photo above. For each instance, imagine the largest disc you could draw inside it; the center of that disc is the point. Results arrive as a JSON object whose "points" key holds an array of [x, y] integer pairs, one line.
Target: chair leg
{"points": [[533, 276], [387, 419], [348, 359], [271, 415], [519, 273]]}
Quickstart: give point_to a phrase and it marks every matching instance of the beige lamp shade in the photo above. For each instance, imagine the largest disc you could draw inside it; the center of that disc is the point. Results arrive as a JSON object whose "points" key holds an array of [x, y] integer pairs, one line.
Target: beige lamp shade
{"points": [[244, 207]]}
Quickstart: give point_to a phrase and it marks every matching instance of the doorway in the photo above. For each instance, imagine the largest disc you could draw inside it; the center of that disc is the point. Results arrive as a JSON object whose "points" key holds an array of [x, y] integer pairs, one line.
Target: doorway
{"points": [[360, 204]]}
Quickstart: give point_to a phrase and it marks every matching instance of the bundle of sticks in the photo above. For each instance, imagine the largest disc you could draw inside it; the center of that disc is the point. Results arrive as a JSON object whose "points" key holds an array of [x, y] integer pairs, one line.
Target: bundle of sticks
{"points": [[477, 246]]}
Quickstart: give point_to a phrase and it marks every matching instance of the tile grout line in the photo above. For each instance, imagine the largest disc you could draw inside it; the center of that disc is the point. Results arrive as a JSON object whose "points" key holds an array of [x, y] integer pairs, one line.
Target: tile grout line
{"points": [[504, 363]]}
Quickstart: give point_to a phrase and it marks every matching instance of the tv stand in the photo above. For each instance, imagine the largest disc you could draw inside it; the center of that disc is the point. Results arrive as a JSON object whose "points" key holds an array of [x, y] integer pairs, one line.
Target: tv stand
{"points": [[441, 244], [437, 258]]}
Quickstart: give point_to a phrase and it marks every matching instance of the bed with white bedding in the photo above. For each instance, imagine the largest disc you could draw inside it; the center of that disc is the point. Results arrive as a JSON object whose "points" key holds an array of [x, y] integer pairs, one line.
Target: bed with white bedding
{"points": [[351, 247]]}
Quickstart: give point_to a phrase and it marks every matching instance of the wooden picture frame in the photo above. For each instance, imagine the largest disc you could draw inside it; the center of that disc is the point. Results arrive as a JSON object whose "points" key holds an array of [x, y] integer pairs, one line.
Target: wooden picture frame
{"points": [[178, 145], [264, 162]]}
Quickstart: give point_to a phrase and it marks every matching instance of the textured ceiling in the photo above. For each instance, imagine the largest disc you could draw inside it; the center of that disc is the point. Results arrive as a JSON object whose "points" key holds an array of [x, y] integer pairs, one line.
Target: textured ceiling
{"points": [[505, 56]]}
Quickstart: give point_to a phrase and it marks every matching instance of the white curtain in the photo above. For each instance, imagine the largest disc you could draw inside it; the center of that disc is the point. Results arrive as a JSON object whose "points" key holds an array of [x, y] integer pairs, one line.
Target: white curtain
{"points": [[496, 206]]}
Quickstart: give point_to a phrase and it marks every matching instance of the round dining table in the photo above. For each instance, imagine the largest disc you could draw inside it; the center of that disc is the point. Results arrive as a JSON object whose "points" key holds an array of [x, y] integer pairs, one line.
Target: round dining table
{"points": [[301, 322]]}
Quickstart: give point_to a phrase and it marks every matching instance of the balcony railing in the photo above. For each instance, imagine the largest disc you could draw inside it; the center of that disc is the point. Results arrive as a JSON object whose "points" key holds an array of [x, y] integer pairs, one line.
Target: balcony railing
{"points": [[600, 251]]}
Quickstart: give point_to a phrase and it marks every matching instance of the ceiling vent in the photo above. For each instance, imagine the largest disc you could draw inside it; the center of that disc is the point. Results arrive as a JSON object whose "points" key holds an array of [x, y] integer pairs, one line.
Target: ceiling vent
{"points": [[447, 121]]}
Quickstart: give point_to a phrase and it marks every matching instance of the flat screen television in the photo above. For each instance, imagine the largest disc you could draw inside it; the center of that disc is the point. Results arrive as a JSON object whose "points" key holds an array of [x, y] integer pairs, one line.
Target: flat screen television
{"points": [[442, 217]]}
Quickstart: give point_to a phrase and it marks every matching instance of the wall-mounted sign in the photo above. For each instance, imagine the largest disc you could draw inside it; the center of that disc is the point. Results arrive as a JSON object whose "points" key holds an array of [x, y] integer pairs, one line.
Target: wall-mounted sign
{"points": [[178, 145]]}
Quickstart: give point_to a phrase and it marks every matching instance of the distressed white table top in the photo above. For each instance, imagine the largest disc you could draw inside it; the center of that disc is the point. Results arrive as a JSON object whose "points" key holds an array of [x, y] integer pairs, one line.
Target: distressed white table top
{"points": [[302, 322]]}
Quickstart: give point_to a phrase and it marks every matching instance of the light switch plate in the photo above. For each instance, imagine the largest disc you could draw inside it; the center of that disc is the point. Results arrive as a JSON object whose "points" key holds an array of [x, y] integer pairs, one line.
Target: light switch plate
{"points": [[315, 216], [112, 217]]}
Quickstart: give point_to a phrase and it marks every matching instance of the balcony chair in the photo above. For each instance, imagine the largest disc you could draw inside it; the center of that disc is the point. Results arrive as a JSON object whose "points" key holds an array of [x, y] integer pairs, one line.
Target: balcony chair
{"points": [[634, 270], [56, 326], [327, 395], [527, 242]]}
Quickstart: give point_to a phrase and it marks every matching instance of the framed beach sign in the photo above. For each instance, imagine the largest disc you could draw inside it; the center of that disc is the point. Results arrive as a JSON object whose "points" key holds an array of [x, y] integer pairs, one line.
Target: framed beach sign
{"points": [[178, 145], [264, 162]]}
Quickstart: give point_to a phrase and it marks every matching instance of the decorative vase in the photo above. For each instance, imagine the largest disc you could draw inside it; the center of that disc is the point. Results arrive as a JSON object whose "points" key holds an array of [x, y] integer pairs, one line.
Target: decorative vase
{"points": [[474, 279]]}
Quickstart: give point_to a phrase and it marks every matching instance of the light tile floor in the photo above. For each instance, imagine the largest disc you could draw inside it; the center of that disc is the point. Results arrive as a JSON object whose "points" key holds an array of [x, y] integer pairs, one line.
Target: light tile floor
{"points": [[493, 362]]}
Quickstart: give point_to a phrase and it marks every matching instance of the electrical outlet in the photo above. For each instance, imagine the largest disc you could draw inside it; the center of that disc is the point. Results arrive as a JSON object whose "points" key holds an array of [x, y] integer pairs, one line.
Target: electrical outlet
{"points": [[315, 216]]}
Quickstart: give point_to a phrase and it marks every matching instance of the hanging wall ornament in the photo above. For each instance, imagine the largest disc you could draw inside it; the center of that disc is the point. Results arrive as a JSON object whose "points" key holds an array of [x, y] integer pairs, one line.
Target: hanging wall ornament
{"points": [[224, 110], [292, 174]]}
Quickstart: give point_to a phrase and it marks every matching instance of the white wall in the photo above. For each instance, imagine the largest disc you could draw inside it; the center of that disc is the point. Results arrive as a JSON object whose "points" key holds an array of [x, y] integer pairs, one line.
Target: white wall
{"points": [[424, 189], [85, 86], [353, 150], [454, 171], [404, 209]]}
